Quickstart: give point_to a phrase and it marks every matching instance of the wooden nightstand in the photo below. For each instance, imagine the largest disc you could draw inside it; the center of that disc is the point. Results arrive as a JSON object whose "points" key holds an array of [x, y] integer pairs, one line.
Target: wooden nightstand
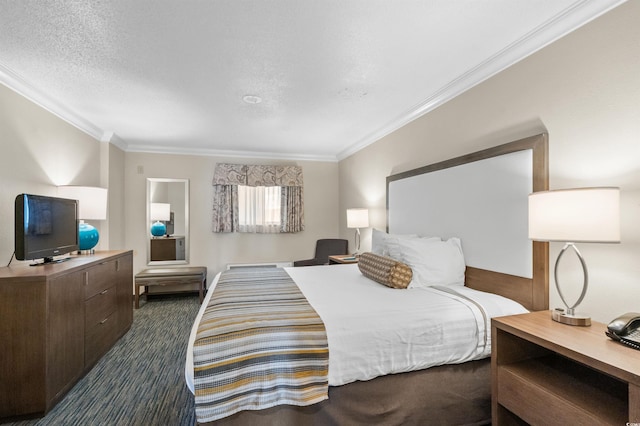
{"points": [[342, 258], [544, 372]]}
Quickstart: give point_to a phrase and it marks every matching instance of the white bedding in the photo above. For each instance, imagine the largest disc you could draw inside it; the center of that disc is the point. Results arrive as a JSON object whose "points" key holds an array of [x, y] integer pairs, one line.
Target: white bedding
{"points": [[374, 330]]}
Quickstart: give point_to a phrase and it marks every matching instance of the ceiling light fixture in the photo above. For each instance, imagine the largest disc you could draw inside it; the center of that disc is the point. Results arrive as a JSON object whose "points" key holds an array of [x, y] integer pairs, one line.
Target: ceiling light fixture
{"points": [[252, 99]]}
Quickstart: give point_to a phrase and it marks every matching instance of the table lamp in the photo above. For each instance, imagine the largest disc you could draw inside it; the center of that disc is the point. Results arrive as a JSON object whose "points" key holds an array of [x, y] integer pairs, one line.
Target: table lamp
{"points": [[159, 212], [583, 215], [357, 218], [92, 205]]}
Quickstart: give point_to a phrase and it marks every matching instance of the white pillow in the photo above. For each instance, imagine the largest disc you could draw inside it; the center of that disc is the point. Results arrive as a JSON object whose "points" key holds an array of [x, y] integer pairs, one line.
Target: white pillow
{"points": [[378, 241], [433, 262], [384, 244]]}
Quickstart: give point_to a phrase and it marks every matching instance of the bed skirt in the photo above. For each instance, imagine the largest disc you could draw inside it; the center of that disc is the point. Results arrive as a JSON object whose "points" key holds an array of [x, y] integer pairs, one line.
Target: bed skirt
{"points": [[457, 394]]}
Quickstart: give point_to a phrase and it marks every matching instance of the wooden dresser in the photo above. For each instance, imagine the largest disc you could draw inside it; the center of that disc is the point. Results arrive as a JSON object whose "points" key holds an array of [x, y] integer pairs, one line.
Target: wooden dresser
{"points": [[56, 322], [544, 372], [168, 248]]}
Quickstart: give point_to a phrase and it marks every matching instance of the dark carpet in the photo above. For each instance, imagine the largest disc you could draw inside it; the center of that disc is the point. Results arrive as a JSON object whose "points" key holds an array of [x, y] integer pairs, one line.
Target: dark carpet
{"points": [[140, 381]]}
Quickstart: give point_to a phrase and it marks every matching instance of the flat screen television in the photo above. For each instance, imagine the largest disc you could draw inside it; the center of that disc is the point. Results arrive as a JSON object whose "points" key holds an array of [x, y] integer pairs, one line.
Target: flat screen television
{"points": [[45, 227]]}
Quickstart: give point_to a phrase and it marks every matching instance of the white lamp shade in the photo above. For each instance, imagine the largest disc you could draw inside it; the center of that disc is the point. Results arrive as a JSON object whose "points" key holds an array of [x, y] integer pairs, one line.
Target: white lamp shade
{"points": [[357, 218], [160, 211], [575, 215], [92, 201]]}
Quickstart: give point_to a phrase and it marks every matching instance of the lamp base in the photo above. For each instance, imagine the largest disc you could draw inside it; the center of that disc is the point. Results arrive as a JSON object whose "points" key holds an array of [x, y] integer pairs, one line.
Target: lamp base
{"points": [[158, 229], [88, 236], [560, 316]]}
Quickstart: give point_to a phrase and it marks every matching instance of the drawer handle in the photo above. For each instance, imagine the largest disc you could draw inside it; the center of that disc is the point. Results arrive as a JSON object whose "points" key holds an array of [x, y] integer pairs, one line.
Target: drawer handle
{"points": [[104, 320], [104, 291]]}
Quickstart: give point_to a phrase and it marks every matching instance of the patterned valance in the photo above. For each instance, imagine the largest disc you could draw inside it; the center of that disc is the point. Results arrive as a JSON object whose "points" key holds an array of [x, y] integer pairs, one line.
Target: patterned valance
{"points": [[257, 175], [230, 174]]}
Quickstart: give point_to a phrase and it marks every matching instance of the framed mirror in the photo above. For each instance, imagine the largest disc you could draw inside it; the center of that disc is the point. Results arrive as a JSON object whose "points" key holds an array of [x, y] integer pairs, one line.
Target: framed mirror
{"points": [[167, 221]]}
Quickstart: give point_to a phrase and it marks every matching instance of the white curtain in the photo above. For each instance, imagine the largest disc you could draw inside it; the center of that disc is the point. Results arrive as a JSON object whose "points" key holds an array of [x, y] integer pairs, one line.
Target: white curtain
{"points": [[259, 209]]}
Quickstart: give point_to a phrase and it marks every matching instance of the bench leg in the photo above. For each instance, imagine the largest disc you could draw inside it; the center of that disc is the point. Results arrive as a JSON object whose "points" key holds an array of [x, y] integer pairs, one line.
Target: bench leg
{"points": [[137, 298]]}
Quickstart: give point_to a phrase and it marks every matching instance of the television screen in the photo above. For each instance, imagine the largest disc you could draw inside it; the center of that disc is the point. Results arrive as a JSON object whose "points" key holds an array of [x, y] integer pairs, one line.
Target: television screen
{"points": [[45, 227]]}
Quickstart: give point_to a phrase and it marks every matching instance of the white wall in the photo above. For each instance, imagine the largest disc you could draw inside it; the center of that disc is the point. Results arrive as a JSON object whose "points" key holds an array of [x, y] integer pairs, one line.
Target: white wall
{"points": [[115, 227], [39, 151], [584, 90], [216, 250]]}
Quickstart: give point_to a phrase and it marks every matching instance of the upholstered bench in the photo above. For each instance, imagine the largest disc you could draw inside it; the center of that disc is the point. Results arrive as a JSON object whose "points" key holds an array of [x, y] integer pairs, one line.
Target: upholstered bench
{"points": [[171, 276]]}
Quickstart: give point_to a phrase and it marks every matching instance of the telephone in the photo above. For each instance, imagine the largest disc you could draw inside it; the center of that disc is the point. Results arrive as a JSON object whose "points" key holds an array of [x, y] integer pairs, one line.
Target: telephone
{"points": [[626, 329]]}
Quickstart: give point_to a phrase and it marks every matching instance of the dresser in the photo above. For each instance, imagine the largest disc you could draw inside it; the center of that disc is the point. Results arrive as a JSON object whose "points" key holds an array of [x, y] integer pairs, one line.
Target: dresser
{"points": [[545, 372], [57, 320], [168, 248]]}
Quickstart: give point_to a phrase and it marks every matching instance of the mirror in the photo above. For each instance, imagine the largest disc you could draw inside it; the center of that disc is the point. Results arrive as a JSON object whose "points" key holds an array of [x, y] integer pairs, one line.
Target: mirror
{"points": [[167, 221]]}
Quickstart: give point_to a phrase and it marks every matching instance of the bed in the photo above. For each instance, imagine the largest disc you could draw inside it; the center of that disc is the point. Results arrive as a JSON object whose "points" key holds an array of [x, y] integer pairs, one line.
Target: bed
{"points": [[418, 370]]}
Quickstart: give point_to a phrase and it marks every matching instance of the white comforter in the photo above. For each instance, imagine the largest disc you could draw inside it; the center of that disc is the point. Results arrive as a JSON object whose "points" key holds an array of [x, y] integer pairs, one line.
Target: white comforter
{"points": [[374, 330]]}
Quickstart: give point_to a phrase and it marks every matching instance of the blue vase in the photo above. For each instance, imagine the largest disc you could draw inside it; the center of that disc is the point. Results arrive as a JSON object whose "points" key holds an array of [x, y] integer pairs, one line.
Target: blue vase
{"points": [[88, 236], [158, 229]]}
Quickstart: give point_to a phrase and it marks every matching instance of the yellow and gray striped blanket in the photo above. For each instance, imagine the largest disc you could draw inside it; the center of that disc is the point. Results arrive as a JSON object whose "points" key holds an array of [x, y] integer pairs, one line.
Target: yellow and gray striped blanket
{"points": [[259, 344]]}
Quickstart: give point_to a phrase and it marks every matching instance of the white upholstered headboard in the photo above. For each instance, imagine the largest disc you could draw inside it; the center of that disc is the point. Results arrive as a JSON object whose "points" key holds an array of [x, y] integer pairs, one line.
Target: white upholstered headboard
{"points": [[482, 199]]}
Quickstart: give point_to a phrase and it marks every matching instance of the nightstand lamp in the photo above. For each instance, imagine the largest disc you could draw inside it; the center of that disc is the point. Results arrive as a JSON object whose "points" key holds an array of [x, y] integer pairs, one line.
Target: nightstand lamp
{"points": [[584, 215], [92, 205], [357, 218], [159, 212]]}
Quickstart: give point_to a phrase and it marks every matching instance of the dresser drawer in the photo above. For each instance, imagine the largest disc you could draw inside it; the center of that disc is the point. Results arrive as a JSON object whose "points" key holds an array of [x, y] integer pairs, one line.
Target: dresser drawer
{"points": [[100, 307], [100, 338], [100, 277]]}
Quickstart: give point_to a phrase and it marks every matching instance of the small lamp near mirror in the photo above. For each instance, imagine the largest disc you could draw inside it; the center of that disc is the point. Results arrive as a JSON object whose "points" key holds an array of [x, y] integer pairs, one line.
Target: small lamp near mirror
{"points": [[92, 205], [159, 212], [357, 218], [587, 215]]}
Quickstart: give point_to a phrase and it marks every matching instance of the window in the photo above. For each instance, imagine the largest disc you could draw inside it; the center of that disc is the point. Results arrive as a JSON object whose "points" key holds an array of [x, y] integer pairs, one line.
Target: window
{"points": [[259, 209], [257, 198]]}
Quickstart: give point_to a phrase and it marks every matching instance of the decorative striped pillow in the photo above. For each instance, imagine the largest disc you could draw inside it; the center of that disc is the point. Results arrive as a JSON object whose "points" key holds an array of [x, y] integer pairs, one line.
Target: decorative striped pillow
{"points": [[385, 270]]}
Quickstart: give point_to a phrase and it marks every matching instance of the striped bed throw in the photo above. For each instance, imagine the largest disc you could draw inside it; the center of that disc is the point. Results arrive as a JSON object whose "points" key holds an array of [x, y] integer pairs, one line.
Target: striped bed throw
{"points": [[259, 344]]}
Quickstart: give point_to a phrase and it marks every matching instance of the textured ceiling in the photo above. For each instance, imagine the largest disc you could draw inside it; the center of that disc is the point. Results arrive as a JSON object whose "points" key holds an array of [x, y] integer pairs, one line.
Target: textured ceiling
{"points": [[334, 76]]}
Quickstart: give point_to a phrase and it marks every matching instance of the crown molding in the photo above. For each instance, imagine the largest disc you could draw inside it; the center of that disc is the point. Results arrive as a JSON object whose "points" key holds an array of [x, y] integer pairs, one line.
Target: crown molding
{"points": [[570, 19], [19, 85], [115, 140], [154, 149]]}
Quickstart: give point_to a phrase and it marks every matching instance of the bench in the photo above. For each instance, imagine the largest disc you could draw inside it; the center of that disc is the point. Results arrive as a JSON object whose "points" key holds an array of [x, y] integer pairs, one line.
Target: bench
{"points": [[171, 276]]}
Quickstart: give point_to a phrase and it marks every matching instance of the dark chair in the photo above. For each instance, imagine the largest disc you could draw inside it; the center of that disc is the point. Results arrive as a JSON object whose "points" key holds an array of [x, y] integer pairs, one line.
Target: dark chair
{"points": [[325, 248]]}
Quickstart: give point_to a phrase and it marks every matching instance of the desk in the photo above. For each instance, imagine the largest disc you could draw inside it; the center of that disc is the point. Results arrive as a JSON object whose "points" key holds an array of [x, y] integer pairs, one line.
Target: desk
{"points": [[342, 258], [169, 276]]}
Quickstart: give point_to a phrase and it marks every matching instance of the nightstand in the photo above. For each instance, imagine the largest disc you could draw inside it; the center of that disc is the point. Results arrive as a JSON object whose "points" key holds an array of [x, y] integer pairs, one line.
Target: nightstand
{"points": [[545, 372], [342, 258]]}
